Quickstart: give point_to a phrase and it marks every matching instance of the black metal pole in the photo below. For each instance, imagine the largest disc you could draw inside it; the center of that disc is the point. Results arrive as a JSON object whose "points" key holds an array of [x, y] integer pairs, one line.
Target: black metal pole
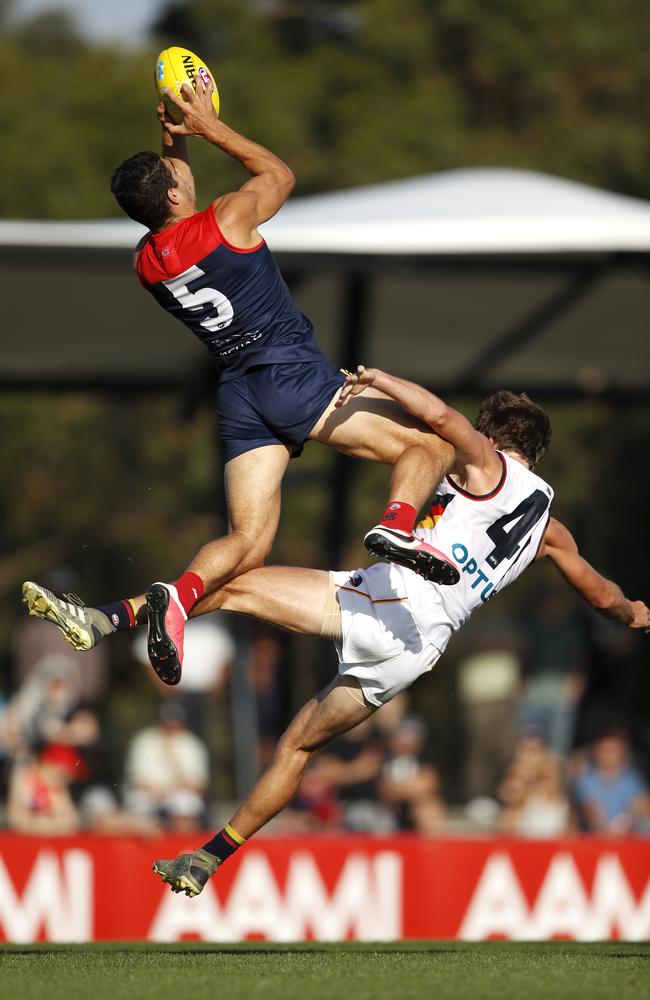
{"points": [[352, 344]]}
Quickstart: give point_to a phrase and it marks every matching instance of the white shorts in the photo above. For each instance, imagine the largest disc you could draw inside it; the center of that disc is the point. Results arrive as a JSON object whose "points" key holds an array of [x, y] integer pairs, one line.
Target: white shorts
{"points": [[381, 645]]}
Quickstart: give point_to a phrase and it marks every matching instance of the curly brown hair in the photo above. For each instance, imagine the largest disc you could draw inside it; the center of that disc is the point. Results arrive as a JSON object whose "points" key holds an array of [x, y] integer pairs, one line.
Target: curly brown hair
{"points": [[140, 187], [515, 423]]}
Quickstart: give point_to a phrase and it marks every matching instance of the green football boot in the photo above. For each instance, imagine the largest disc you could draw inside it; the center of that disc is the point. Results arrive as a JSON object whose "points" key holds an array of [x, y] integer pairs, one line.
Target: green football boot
{"points": [[82, 627], [187, 873]]}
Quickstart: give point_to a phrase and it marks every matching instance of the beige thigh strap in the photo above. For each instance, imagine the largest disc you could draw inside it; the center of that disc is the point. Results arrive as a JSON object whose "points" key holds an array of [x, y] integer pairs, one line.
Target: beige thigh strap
{"points": [[331, 624], [353, 687]]}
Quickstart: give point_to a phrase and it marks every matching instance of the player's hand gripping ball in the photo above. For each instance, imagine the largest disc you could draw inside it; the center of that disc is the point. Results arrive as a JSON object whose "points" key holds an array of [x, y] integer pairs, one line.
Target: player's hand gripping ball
{"points": [[176, 66]]}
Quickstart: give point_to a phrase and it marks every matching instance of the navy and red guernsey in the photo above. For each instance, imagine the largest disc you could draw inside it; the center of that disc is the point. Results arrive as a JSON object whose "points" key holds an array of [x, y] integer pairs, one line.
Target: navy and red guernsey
{"points": [[233, 300]]}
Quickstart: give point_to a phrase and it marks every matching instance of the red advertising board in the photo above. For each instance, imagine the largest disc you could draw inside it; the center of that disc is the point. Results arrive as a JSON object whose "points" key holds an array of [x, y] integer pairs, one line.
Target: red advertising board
{"points": [[328, 888]]}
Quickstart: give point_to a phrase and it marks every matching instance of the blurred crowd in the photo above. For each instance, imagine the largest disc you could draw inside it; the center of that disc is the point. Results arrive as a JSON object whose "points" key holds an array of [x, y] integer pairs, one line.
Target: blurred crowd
{"points": [[540, 748]]}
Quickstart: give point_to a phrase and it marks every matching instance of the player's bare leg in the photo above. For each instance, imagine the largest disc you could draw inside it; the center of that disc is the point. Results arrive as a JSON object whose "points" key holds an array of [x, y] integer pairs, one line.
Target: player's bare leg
{"points": [[295, 599], [370, 426], [332, 712], [290, 597], [374, 427], [253, 483]]}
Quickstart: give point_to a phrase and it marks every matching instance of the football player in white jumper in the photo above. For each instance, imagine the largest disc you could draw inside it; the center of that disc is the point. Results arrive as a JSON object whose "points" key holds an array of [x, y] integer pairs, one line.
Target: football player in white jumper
{"points": [[388, 624]]}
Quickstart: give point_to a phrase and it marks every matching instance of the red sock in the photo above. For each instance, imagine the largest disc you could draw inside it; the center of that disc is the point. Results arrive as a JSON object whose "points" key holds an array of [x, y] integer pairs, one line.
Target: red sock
{"points": [[400, 516], [190, 588]]}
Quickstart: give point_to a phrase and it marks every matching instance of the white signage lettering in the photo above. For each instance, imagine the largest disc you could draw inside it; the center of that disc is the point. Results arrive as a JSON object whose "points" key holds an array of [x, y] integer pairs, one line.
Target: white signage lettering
{"points": [[57, 899], [365, 903], [562, 905], [563, 908], [613, 907], [498, 906]]}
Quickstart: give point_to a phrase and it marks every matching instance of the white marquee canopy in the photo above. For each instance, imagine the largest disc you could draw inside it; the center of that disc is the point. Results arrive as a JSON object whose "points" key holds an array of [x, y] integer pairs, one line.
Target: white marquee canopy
{"points": [[467, 278], [469, 211]]}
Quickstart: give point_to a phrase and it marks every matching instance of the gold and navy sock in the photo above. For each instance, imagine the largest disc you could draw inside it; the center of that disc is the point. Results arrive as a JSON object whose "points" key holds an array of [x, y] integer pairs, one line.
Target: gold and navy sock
{"points": [[225, 843]]}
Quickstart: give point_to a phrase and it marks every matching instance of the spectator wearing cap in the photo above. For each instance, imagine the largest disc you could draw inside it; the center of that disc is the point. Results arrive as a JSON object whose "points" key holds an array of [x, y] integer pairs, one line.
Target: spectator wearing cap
{"points": [[167, 771]]}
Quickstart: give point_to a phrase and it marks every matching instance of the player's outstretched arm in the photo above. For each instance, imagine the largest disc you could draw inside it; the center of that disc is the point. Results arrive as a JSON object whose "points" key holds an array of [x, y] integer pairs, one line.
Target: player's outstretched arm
{"points": [[602, 594], [241, 212], [472, 448]]}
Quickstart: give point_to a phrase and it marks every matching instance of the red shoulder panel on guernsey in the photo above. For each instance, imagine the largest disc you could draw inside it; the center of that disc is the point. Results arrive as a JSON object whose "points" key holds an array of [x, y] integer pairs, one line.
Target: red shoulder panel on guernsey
{"points": [[231, 246], [168, 253]]}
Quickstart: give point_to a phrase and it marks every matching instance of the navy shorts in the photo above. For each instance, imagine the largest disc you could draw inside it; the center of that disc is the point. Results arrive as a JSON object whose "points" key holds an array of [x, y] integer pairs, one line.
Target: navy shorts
{"points": [[274, 404]]}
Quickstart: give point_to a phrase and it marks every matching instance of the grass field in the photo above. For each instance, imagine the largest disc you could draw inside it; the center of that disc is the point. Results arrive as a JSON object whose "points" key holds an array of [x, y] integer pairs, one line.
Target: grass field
{"points": [[440, 970]]}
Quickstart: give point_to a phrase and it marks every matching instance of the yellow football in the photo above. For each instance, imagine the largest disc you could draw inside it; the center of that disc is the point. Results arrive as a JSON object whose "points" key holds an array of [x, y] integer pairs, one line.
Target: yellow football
{"points": [[176, 66]]}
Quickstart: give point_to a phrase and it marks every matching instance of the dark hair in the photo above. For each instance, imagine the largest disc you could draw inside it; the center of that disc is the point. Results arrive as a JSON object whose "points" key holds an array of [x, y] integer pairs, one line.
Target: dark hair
{"points": [[140, 186], [514, 422]]}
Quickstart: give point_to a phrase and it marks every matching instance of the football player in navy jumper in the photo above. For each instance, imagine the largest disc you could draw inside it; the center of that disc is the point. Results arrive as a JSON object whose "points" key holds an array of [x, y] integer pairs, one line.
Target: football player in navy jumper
{"points": [[389, 626], [213, 270]]}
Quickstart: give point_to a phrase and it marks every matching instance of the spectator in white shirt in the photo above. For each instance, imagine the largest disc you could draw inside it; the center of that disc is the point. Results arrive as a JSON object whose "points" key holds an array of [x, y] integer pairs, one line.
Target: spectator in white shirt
{"points": [[163, 761]]}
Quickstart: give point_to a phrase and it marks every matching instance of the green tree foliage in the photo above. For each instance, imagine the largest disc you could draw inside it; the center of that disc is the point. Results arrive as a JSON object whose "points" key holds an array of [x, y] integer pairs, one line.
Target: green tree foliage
{"points": [[348, 92], [72, 113], [397, 88]]}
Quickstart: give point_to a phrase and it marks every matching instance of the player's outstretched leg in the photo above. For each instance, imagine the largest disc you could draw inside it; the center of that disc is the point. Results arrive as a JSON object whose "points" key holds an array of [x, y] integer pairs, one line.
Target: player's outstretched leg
{"points": [[82, 626], [253, 482], [335, 710]]}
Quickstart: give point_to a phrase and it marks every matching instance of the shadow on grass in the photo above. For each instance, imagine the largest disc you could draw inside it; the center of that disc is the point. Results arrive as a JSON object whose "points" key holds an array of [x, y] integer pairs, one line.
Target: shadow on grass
{"points": [[262, 948], [42, 952]]}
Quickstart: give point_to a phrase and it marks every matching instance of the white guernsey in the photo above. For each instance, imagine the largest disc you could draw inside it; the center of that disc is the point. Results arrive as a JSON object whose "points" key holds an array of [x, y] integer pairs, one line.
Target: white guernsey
{"points": [[395, 625]]}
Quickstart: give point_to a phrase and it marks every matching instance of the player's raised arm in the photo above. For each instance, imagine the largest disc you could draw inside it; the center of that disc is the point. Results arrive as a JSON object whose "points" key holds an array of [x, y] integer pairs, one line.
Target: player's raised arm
{"points": [[241, 212], [602, 594], [472, 448], [173, 144]]}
